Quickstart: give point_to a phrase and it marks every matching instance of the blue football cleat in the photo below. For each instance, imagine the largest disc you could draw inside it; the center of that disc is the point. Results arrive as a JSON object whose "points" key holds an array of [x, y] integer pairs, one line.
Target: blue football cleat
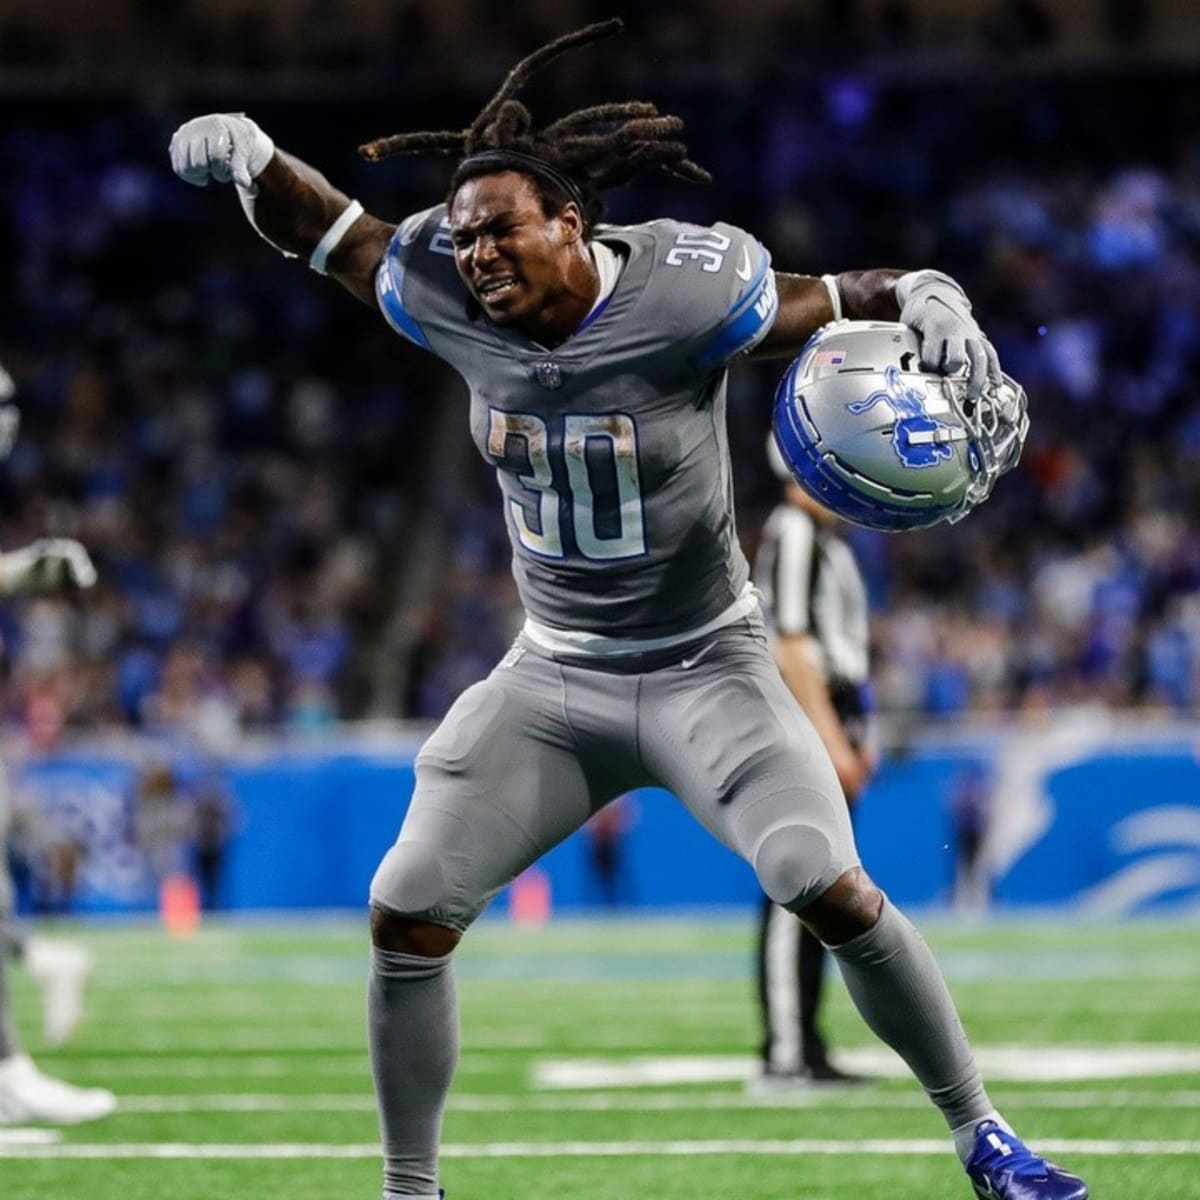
{"points": [[1002, 1167]]}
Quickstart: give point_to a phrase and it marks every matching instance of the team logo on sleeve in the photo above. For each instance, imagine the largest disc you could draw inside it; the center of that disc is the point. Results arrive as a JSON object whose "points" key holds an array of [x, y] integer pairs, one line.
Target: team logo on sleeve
{"points": [[920, 440]]}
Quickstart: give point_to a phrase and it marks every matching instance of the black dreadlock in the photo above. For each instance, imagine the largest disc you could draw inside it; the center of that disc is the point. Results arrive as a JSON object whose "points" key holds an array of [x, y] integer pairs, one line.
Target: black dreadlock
{"points": [[589, 150]]}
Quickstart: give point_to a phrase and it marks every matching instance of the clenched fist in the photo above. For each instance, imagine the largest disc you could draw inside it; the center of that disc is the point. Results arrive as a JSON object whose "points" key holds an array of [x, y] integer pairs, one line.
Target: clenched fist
{"points": [[220, 147]]}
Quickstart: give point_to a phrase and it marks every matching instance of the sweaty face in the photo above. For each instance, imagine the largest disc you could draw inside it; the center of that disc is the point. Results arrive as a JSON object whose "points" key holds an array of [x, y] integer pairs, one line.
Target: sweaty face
{"points": [[512, 257]]}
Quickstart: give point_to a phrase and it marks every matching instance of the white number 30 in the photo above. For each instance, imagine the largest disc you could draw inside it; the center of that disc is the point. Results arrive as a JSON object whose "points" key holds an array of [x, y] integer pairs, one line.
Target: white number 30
{"points": [[544, 536], [708, 246]]}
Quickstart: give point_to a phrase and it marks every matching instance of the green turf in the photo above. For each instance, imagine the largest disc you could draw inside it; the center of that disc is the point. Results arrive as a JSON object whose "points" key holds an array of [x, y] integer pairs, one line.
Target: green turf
{"points": [[251, 1035]]}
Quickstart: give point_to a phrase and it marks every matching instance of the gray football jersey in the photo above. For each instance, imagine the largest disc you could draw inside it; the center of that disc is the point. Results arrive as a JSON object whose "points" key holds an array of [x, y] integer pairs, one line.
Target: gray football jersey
{"points": [[611, 449]]}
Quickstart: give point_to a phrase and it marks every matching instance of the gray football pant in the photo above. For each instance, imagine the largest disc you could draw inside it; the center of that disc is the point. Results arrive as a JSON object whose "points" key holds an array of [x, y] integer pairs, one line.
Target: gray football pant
{"points": [[525, 757], [11, 941]]}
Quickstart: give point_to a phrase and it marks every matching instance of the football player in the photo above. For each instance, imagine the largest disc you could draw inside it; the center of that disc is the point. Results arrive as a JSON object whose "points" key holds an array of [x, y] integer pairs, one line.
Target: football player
{"points": [[59, 968], [596, 358]]}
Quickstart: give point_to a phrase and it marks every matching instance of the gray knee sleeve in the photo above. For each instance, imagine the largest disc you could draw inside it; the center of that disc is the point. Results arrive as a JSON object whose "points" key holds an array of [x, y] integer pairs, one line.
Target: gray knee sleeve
{"points": [[411, 881], [794, 864]]}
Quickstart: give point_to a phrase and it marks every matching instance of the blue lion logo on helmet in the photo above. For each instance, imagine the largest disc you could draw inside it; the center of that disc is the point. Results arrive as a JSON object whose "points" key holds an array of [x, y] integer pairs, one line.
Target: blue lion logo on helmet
{"points": [[919, 439]]}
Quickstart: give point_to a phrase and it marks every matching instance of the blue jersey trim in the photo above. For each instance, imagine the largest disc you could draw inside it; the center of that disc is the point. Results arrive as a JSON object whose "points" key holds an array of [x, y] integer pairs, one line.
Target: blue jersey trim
{"points": [[594, 314], [747, 322], [389, 282]]}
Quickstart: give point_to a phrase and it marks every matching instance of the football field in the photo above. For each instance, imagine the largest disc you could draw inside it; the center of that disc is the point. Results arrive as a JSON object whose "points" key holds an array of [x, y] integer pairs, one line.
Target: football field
{"points": [[608, 1059]]}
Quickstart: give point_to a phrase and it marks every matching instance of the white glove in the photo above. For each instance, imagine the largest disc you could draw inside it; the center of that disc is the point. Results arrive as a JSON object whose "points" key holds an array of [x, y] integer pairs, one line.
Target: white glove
{"points": [[937, 308], [47, 565], [222, 147]]}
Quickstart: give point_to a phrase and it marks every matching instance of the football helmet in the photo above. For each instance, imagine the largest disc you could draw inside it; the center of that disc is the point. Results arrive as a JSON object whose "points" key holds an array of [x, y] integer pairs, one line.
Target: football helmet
{"points": [[882, 442]]}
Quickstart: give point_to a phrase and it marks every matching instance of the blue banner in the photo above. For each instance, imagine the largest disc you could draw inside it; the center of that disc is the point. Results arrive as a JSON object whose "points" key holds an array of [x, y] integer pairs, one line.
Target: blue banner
{"points": [[1053, 818]]}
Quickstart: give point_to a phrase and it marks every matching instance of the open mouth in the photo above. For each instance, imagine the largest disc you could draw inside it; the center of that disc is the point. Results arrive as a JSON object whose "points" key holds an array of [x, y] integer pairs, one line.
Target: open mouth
{"points": [[495, 289]]}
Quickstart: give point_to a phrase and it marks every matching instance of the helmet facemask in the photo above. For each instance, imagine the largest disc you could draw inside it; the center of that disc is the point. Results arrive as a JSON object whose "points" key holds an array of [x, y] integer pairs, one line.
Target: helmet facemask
{"points": [[998, 422]]}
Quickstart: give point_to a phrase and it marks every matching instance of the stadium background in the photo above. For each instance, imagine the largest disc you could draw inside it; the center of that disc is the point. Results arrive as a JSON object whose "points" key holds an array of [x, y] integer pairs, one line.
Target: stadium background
{"points": [[302, 563], [302, 560]]}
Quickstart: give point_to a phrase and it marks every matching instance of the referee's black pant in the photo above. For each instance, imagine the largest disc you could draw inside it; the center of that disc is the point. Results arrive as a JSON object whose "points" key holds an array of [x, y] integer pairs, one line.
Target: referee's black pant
{"points": [[791, 973]]}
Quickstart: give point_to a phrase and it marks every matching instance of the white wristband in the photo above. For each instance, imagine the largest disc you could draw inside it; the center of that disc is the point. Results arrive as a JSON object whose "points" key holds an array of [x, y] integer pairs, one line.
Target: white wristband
{"points": [[333, 235], [835, 295]]}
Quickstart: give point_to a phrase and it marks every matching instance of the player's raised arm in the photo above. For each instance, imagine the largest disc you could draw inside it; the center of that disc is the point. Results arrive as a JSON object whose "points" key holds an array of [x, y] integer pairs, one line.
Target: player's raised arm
{"points": [[290, 204], [929, 302]]}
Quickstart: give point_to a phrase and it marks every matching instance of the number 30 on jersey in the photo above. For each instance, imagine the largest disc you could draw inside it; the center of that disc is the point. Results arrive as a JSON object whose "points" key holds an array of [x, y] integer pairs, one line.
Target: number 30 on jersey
{"points": [[625, 535]]}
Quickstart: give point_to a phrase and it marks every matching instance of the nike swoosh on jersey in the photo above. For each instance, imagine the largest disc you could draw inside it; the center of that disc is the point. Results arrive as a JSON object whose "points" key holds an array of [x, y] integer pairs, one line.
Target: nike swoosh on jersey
{"points": [[744, 270]]}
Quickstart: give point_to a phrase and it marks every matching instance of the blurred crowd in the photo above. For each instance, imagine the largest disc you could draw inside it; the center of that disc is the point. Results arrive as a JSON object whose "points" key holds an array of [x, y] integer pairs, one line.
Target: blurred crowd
{"points": [[247, 452], [233, 446], [376, 41]]}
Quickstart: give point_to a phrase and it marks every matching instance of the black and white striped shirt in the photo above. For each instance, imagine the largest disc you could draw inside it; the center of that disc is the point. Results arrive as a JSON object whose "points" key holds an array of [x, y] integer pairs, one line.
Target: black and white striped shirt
{"points": [[812, 585]]}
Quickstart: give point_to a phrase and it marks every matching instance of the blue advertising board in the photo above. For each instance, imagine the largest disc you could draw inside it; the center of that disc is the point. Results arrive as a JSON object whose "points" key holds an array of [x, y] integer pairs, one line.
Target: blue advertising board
{"points": [[1075, 816]]}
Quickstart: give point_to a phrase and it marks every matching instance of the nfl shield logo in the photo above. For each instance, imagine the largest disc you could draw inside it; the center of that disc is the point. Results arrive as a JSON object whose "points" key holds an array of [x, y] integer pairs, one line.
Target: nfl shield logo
{"points": [[548, 375]]}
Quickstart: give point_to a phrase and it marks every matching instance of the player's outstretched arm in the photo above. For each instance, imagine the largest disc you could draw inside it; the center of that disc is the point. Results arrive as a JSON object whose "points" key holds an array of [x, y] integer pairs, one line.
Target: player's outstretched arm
{"points": [[292, 205], [931, 303], [807, 302]]}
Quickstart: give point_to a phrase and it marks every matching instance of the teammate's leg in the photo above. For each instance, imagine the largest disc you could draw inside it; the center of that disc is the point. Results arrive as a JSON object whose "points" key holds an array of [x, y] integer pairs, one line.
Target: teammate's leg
{"points": [[11, 944], [498, 784], [60, 969], [25, 1093], [11, 940]]}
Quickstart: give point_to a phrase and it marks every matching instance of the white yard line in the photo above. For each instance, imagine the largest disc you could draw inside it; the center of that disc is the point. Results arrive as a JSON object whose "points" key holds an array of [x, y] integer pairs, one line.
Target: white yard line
{"points": [[1013, 1063], [286, 1150], [347, 1064], [1017, 1063], [21, 1136], [857, 1098]]}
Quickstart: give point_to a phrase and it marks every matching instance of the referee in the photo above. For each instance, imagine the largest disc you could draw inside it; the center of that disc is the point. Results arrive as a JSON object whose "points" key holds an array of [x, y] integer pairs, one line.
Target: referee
{"points": [[816, 603]]}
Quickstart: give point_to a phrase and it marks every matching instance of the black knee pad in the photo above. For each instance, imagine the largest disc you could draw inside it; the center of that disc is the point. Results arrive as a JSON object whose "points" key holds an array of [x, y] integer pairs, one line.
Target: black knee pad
{"points": [[794, 865], [410, 881]]}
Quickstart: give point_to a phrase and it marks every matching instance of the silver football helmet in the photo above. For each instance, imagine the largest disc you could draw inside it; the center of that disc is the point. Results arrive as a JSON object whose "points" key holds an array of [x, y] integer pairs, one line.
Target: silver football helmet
{"points": [[883, 443]]}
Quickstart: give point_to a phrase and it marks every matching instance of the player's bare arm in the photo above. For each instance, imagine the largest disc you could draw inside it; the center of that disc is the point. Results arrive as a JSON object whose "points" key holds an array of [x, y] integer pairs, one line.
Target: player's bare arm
{"points": [[806, 303], [929, 302], [292, 205], [296, 206]]}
